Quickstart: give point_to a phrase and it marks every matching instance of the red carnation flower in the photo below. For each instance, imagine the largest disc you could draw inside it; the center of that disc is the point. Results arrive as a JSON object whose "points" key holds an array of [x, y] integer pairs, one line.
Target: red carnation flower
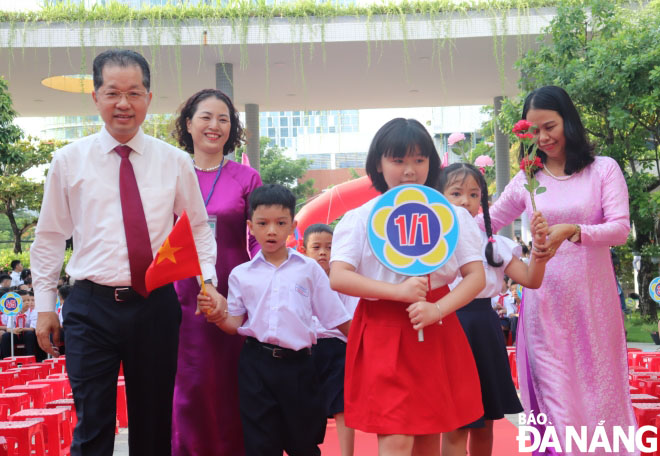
{"points": [[531, 165], [522, 126]]}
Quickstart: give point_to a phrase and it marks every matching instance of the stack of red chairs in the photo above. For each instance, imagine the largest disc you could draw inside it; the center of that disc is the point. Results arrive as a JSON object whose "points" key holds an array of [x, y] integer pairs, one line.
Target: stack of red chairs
{"points": [[644, 379], [37, 413]]}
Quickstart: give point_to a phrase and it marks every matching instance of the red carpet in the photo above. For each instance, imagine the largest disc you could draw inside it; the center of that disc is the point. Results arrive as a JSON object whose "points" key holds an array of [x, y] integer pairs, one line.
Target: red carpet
{"points": [[365, 444]]}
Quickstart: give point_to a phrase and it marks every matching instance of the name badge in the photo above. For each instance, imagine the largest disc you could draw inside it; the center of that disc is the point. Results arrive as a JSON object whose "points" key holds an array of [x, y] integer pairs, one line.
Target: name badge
{"points": [[213, 221]]}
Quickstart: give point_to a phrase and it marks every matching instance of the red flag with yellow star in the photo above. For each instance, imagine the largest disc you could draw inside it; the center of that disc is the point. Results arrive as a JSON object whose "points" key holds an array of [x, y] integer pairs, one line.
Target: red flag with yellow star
{"points": [[176, 259]]}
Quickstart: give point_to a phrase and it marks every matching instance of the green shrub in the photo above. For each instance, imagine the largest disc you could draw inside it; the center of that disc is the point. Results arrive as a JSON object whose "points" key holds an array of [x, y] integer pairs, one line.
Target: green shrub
{"points": [[8, 255]]}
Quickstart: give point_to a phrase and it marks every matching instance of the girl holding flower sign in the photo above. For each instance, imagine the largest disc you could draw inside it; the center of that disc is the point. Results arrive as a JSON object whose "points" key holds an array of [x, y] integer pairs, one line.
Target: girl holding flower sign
{"points": [[572, 363], [405, 390]]}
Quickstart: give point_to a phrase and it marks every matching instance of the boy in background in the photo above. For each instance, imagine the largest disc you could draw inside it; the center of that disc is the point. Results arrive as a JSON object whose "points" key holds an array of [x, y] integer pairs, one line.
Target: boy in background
{"points": [[329, 353], [271, 301]]}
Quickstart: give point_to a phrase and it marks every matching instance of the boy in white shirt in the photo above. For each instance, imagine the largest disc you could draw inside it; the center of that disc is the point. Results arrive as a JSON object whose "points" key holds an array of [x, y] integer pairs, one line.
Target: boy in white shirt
{"points": [[271, 300], [329, 353]]}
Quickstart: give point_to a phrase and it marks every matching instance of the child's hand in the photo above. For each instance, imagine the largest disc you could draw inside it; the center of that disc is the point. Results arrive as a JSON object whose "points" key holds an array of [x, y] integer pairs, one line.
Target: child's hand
{"points": [[423, 313], [413, 289], [539, 227], [212, 304]]}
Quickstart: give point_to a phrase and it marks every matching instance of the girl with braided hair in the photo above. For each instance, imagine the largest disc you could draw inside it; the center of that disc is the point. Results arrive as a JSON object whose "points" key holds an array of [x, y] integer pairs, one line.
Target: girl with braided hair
{"points": [[465, 186]]}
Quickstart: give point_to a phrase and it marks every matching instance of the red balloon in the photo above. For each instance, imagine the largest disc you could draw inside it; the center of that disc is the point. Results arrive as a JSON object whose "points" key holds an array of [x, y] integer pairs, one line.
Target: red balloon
{"points": [[332, 204]]}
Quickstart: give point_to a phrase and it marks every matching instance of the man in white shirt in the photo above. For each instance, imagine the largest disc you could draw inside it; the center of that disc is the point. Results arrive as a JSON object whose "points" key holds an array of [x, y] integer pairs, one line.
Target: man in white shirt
{"points": [[116, 192], [16, 269]]}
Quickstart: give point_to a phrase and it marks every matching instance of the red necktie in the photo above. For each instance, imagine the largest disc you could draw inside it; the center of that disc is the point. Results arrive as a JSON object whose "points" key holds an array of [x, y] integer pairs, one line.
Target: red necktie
{"points": [[501, 300], [138, 243]]}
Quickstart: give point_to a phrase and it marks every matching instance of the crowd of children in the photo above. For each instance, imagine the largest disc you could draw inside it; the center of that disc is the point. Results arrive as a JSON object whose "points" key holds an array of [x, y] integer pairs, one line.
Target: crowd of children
{"points": [[23, 326], [298, 367]]}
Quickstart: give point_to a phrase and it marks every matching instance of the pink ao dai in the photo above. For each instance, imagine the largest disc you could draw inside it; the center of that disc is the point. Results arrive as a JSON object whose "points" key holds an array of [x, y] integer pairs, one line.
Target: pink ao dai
{"points": [[572, 357]]}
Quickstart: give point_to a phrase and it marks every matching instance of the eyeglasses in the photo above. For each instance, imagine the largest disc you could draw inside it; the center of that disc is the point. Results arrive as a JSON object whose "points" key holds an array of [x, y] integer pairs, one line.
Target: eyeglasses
{"points": [[116, 95]]}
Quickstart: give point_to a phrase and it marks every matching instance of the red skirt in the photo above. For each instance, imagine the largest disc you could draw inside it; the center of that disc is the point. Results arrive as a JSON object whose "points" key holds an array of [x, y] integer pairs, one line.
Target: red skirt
{"points": [[395, 384]]}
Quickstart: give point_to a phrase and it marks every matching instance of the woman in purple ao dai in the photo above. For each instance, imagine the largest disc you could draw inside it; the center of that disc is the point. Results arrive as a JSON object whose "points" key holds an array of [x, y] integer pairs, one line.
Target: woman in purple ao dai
{"points": [[206, 420], [571, 347]]}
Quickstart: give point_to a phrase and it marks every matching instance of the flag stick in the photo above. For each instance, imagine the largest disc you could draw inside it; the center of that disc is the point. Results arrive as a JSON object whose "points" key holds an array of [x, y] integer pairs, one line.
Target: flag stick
{"points": [[201, 277]]}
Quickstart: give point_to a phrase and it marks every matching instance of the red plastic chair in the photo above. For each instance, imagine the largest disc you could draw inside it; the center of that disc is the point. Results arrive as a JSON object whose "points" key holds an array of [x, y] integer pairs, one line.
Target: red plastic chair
{"points": [[643, 399], [39, 394], [122, 410], [14, 402], [43, 369], [66, 403], [514, 367], [19, 436], [646, 358], [8, 379], [24, 375], [57, 365], [635, 358], [57, 427], [7, 364], [647, 386], [20, 360], [60, 386], [646, 413]]}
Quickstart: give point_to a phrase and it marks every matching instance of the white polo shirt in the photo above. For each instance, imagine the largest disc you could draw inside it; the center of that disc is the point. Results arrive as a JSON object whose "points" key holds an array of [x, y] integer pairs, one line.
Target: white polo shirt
{"points": [[280, 301]]}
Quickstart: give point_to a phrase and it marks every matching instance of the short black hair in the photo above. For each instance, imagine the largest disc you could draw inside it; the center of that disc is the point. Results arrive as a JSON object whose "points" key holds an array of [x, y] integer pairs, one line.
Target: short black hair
{"points": [[122, 58], [64, 291], [273, 195], [397, 138], [21, 292], [579, 151], [4, 277], [15, 263], [315, 228]]}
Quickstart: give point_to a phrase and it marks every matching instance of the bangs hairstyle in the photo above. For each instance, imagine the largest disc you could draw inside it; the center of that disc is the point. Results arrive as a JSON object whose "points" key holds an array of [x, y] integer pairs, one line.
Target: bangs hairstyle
{"points": [[315, 228], [458, 172], [579, 151], [397, 138], [272, 195], [188, 110]]}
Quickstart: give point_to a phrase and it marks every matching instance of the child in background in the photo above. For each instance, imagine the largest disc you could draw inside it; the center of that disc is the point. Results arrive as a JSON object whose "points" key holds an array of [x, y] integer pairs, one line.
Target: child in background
{"points": [[465, 186], [329, 353], [23, 329], [63, 292], [271, 300], [404, 390]]}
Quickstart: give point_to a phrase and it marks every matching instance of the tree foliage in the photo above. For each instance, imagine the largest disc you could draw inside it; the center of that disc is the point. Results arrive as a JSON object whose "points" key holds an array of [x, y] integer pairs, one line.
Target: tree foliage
{"points": [[607, 57], [19, 194], [276, 168]]}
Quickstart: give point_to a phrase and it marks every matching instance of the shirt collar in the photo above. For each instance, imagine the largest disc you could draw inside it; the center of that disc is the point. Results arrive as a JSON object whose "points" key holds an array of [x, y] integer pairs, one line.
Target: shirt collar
{"points": [[108, 143], [259, 257]]}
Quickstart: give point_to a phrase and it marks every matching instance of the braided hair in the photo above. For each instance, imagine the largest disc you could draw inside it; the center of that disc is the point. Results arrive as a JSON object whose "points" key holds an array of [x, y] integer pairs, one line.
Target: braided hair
{"points": [[460, 171]]}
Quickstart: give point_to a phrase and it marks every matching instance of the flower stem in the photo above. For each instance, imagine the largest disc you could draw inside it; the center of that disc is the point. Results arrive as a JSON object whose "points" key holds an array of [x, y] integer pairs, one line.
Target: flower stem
{"points": [[531, 191]]}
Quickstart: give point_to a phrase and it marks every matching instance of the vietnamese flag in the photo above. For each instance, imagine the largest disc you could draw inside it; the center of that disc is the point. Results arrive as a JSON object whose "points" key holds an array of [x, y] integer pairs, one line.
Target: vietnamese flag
{"points": [[176, 259]]}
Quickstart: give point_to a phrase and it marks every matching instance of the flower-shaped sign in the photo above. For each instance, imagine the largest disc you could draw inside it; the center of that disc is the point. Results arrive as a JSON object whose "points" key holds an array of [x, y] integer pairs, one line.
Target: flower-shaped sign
{"points": [[58, 305], [519, 291], [11, 303], [412, 230], [654, 289]]}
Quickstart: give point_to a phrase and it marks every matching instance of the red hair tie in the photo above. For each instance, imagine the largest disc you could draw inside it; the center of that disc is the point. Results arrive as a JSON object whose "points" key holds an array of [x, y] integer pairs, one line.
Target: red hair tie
{"points": [[491, 239]]}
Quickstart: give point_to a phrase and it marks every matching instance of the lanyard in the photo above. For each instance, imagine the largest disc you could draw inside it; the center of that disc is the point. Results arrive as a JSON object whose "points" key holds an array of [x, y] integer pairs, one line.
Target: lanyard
{"points": [[215, 181]]}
